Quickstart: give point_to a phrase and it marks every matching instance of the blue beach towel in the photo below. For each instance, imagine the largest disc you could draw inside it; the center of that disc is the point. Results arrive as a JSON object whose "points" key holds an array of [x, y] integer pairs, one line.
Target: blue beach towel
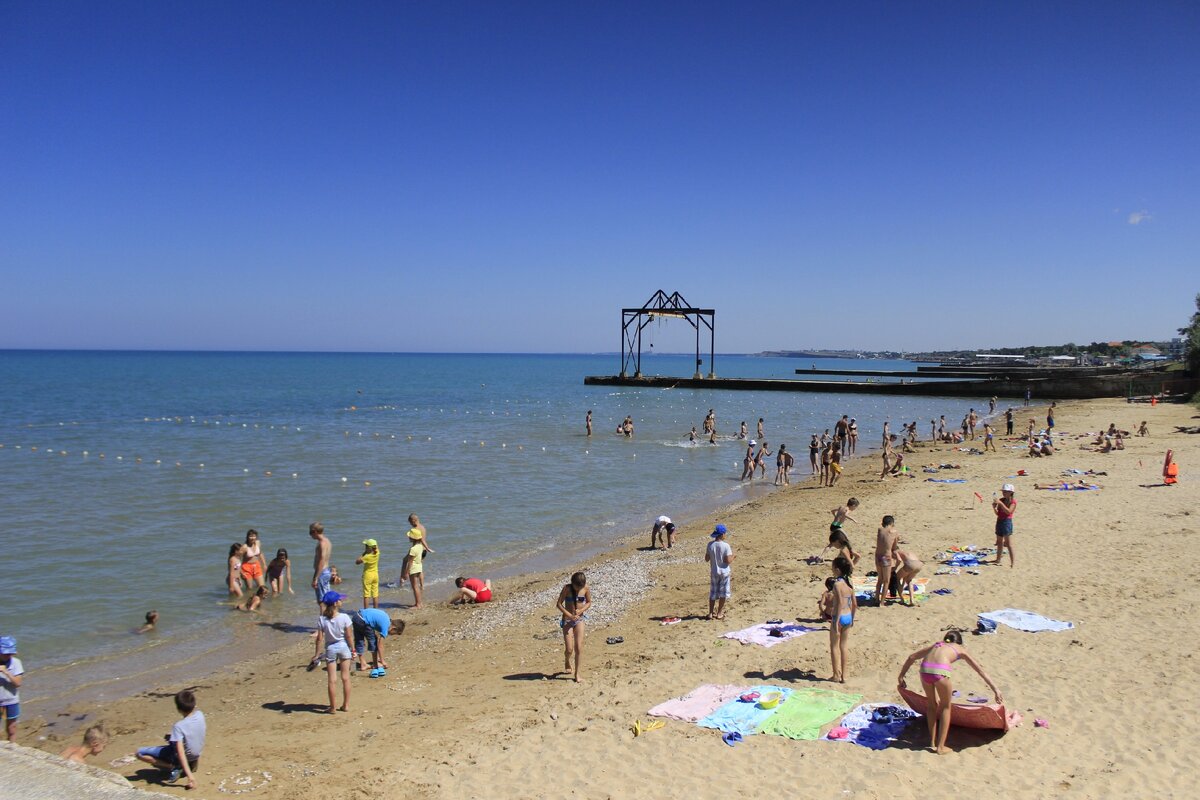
{"points": [[744, 718], [946, 480], [963, 560], [876, 725], [1025, 620]]}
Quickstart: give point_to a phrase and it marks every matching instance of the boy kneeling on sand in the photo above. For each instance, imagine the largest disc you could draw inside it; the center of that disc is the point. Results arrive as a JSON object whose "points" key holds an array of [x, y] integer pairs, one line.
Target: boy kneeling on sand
{"points": [[181, 754]]}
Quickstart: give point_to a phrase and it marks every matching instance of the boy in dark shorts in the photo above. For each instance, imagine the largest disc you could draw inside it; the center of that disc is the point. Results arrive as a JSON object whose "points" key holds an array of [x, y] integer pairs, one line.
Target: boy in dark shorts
{"points": [[181, 754]]}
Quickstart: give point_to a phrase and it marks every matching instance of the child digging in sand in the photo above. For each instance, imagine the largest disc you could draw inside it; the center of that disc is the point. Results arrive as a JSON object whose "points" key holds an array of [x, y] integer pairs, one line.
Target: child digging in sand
{"points": [[573, 603], [935, 680], [825, 602], [339, 632], [845, 605]]}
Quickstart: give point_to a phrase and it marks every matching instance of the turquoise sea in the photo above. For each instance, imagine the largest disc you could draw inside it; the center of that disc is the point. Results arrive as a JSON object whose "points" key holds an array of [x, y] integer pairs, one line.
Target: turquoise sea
{"points": [[125, 476]]}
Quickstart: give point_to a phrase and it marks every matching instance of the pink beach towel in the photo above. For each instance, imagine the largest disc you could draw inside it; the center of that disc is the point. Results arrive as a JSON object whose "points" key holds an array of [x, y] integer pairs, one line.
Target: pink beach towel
{"points": [[698, 703], [761, 634]]}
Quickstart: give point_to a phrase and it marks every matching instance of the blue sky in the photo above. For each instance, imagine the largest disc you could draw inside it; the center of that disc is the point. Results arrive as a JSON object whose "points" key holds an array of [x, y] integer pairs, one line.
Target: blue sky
{"points": [[507, 176]]}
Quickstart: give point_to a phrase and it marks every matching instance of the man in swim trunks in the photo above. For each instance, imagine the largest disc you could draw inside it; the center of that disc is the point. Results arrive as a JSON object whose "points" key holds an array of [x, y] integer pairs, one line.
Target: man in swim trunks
{"points": [[321, 574], [886, 557], [472, 590]]}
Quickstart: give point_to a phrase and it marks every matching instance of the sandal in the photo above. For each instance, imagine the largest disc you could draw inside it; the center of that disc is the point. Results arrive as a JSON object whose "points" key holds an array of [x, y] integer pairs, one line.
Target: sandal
{"points": [[614, 640], [731, 738]]}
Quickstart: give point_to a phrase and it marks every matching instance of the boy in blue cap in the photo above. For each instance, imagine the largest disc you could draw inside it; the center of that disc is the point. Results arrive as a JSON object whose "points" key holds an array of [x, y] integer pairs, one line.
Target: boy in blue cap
{"points": [[719, 556], [10, 685]]}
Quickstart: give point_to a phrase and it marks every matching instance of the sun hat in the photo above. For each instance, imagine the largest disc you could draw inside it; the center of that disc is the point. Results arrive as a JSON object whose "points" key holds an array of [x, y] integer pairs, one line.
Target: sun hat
{"points": [[370, 543], [1008, 487], [720, 530], [331, 597], [752, 443], [8, 646], [663, 520], [414, 533]]}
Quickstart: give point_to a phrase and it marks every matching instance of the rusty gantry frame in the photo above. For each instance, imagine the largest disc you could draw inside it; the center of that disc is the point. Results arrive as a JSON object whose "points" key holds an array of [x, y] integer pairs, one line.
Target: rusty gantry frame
{"points": [[672, 306]]}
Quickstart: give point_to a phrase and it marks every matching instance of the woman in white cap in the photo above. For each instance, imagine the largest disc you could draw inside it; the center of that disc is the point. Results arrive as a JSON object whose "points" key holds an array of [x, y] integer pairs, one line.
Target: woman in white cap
{"points": [[1005, 507]]}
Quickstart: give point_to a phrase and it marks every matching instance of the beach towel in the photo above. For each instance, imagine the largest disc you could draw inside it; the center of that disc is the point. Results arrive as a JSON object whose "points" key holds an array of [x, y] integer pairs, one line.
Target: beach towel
{"points": [[698, 703], [946, 480], [1025, 620], [806, 711], [761, 634], [1069, 487], [876, 725], [963, 560], [744, 718]]}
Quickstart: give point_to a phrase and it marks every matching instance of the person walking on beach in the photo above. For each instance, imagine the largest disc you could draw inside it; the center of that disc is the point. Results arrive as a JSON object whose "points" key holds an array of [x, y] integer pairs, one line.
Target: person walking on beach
{"points": [[574, 599], [835, 463], [338, 631], [181, 754], [845, 607], [783, 466], [886, 455], [1005, 506], [1028, 394], [814, 449], [992, 406], [233, 578], [988, 438], [826, 460], [936, 662], [11, 671], [322, 576], [719, 556], [886, 541], [370, 575], [1050, 421], [841, 429], [1008, 422], [589, 422]]}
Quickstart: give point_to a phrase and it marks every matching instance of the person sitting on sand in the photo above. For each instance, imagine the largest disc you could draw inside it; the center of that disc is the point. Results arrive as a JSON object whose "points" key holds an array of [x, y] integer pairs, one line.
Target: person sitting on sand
{"points": [[95, 739], [826, 600], [472, 590], [845, 606], [151, 622], [574, 599], [907, 569], [936, 662], [254, 602]]}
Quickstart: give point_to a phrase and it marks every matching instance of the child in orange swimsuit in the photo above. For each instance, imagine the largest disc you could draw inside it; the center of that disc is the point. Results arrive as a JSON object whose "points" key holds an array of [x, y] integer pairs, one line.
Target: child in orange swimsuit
{"points": [[936, 662]]}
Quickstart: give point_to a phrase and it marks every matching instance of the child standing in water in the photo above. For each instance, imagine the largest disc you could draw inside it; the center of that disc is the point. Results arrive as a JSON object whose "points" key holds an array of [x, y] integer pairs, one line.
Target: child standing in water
{"points": [[252, 561], [237, 555], [845, 606], [279, 569], [151, 622], [370, 577], [573, 602], [935, 680]]}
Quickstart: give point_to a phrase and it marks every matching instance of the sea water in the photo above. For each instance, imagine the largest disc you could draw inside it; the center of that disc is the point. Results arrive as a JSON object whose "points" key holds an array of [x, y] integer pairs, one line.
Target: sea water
{"points": [[125, 477]]}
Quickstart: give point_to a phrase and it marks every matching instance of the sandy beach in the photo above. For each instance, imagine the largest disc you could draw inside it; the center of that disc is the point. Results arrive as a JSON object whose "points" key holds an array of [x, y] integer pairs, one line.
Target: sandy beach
{"points": [[473, 705]]}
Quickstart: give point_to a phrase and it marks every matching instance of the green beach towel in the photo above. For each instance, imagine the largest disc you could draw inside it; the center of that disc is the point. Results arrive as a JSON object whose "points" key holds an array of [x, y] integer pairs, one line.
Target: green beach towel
{"points": [[806, 710]]}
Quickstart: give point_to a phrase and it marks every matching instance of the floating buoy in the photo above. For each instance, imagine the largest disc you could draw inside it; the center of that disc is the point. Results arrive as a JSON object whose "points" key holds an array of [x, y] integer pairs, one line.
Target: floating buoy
{"points": [[267, 473], [244, 469], [201, 466], [366, 483], [294, 474], [343, 479]]}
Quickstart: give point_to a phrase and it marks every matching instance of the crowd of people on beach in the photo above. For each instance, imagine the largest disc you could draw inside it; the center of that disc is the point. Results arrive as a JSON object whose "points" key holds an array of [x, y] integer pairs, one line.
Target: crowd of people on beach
{"points": [[343, 637]]}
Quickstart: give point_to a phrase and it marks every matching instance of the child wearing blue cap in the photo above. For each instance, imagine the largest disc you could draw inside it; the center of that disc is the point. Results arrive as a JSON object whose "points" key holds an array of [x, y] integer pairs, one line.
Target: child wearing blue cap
{"points": [[718, 556], [10, 685], [339, 632]]}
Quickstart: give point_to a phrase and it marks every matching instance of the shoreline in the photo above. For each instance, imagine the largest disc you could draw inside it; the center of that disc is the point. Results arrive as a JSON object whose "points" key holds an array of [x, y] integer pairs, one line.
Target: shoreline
{"points": [[507, 672]]}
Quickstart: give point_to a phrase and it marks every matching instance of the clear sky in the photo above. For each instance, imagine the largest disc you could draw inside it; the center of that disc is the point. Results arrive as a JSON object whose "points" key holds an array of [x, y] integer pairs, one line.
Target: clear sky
{"points": [[506, 176]]}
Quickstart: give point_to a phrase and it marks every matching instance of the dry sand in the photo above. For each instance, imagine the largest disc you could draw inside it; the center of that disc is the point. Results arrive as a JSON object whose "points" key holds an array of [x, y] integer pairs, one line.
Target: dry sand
{"points": [[472, 706]]}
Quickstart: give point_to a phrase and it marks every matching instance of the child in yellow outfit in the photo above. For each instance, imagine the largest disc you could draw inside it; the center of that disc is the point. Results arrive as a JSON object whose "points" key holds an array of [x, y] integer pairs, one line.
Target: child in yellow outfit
{"points": [[370, 561]]}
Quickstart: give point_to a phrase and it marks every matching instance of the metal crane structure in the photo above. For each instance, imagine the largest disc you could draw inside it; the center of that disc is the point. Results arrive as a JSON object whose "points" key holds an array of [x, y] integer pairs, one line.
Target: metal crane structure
{"points": [[664, 306]]}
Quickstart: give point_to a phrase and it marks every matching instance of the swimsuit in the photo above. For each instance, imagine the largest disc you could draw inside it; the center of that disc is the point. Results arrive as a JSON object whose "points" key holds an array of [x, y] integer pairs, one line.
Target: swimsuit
{"points": [[567, 624], [934, 671]]}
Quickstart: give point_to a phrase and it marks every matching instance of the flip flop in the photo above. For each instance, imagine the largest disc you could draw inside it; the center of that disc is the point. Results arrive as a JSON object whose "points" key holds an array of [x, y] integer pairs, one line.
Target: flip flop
{"points": [[311, 665], [614, 640], [671, 620], [731, 738], [774, 622]]}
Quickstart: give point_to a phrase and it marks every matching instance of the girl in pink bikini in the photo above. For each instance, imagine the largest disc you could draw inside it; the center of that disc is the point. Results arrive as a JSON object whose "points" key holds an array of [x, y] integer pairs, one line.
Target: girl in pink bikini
{"points": [[935, 680]]}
